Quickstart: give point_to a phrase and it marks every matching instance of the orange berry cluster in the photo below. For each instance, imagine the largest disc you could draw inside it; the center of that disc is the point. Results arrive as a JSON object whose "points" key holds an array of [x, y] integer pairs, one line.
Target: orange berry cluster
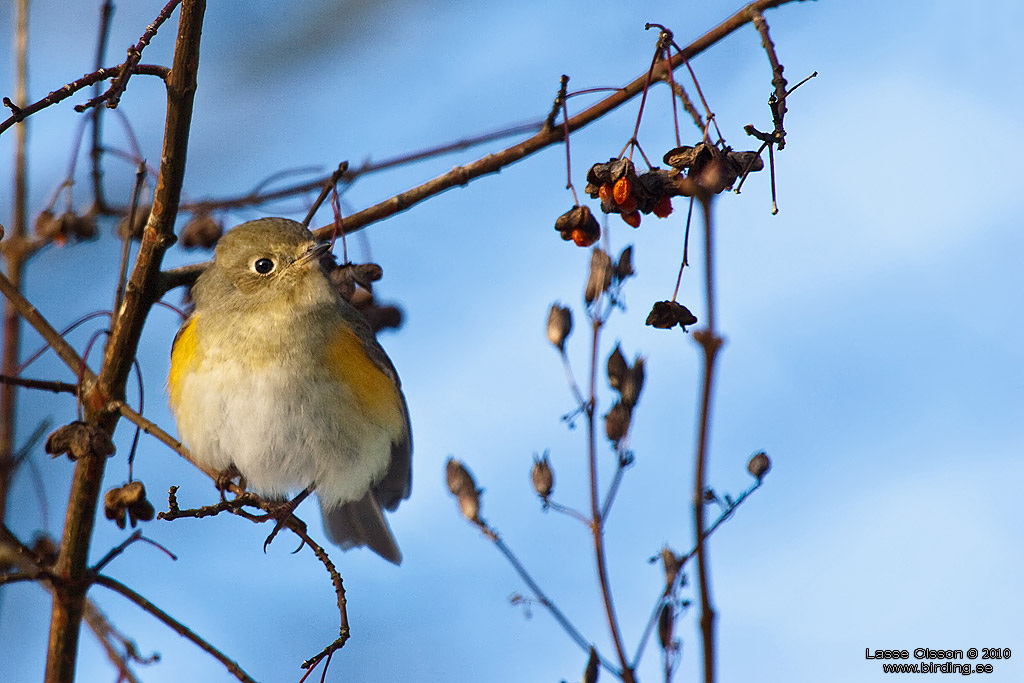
{"points": [[622, 191]]}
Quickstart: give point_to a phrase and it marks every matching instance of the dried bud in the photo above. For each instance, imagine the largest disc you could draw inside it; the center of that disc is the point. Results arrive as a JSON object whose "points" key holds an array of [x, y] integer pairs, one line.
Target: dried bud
{"points": [[542, 476], [759, 465], [616, 422], [666, 623], [78, 439], [600, 274], [667, 314], [617, 368], [559, 325], [128, 501], [201, 231], [633, 384], [127, 228], [579, 225], [624, 267], [672, 564], [590, 674], [381, 317], [45, 550], [462, 486]]}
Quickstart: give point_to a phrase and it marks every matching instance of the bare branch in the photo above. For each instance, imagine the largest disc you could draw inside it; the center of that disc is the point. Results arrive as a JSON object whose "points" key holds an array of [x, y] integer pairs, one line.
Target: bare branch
{"points": [[184, 631]]}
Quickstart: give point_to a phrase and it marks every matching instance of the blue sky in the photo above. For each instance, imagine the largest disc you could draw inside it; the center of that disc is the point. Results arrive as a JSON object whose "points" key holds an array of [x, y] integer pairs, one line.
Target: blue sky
{"points": [[872, 339]]}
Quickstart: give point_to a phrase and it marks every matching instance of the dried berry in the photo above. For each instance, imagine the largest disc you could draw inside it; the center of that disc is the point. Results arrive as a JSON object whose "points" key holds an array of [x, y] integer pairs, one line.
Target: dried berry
{"points": [[559, 325], [579, 225], [713, 169], [667, 314]]}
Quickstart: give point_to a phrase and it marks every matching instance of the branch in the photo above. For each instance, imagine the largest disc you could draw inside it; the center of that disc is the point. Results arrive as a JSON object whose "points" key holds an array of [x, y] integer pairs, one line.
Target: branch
{"points": [[493, 163], [69, 597], [710, 344], [174, 624], [22, 113], [113, 94], [46, 385]]}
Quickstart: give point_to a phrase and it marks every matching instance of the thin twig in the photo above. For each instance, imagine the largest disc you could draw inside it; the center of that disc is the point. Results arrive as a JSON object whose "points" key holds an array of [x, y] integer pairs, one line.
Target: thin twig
{"points": [[71, 88], [655, 612], [596, 522], [44, 384], [331, 184], [710, 344], [113, 94], [543, 599], [96, 151], [184, 631]]}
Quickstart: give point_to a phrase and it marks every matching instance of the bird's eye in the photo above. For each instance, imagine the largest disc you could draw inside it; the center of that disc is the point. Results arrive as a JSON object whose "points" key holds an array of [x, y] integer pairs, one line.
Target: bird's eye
{"points": [[263, 266]]}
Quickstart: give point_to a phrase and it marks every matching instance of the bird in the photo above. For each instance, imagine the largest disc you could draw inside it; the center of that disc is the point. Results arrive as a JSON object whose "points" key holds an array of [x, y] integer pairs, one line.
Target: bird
{"points": [[276, 377]]}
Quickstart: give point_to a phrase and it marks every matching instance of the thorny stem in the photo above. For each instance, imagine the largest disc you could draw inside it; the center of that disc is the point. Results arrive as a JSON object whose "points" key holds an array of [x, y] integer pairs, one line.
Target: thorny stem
{"points": [[597, 523], [710, 344]]}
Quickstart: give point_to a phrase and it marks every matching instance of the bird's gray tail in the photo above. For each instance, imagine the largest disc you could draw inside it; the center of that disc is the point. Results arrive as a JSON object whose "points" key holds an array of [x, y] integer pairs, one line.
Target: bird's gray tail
{"points": [[362, 523]]}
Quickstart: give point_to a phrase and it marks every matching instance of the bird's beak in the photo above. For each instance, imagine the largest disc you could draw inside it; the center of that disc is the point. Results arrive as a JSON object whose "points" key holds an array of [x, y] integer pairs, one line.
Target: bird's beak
{"points": [[314, 252]]}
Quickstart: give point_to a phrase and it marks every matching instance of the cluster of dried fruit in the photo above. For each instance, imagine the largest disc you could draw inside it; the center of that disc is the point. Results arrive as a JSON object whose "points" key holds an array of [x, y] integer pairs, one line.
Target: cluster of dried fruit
{"points": [[624, 192]]}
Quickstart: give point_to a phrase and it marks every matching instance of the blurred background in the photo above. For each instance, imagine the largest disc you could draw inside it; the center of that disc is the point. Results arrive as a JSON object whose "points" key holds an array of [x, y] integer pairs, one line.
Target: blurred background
{"points": [[873, 337]]}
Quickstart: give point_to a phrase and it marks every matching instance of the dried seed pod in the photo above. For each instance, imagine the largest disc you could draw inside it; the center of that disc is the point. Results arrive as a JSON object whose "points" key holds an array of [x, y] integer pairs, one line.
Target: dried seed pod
{"points": [[663, 208], [616, 422], [632, 219], [201, 231], [667, 314], [624, 266], [617, 368], [128, 501], [759, 465], [78, 439], [633, 384], [462, 486], [593, 667], [459, 478], [579, 225], [543, 477], [559, 325], [666, 623], [600, 274]]}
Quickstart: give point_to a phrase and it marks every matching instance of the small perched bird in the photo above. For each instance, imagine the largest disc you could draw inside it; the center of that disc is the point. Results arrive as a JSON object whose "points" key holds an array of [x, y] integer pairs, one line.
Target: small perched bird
{"points": [[277, 377]]}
